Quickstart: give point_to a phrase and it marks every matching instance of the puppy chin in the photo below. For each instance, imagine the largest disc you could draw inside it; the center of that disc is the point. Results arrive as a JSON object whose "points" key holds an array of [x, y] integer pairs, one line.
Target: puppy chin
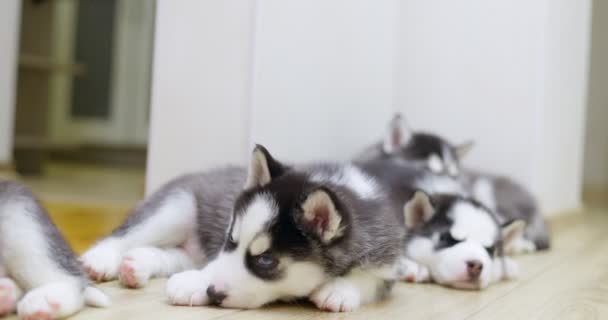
{"points": [[466, 285], [248, 301], [463, 282]]}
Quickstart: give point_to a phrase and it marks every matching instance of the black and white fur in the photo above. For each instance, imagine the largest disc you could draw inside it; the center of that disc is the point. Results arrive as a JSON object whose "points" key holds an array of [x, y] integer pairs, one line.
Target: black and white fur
{"points": [[276, 232], [442, 159], [456, 242], [426, 258], [40, 277]]}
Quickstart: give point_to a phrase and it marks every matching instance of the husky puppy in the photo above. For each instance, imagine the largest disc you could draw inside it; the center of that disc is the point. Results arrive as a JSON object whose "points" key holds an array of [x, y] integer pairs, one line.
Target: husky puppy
{"points": [[437, 156], [40, 277], [430, 253], [456, 242], [274, 232]]}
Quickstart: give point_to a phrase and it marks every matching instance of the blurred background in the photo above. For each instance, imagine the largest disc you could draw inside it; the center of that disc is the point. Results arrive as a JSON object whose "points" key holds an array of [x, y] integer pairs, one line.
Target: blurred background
{"points": [[103, 101]]}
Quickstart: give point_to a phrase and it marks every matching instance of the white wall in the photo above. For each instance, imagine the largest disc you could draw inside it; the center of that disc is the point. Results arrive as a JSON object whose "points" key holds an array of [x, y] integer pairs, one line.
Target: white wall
{"points": [[511, 79], [200, 86], [469, 70], [9, 36], [559, 165], [319, 80], [223, 81], [596, 147], [322, 86]]}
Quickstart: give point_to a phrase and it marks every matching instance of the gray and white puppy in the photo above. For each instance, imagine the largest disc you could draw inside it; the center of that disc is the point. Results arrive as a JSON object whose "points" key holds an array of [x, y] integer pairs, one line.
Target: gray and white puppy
{"points": [[434, 154], [40, 276], [456, 242], [452, 239], [274, 232]]}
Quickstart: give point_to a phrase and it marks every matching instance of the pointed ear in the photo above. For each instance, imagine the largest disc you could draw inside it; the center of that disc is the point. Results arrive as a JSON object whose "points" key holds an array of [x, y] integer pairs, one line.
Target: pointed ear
{"points": [[418, 209], [512, 231], [320, 216], [262, 169], [397, 136], [464, 148]]}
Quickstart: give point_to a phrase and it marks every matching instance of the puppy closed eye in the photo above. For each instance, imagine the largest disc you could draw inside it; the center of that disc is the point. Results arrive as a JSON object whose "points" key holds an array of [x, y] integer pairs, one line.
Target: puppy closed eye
{"points": [[446, 240]]}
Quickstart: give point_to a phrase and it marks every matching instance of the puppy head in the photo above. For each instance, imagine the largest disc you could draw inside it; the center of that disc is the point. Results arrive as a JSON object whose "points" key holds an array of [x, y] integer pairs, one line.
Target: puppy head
{"points": [[274, 247], [456, 239], [428, 151]]}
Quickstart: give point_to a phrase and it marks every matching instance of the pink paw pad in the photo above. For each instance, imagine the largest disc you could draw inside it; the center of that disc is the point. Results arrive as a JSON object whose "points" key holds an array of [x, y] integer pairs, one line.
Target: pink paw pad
{"points": [[127, 274], [7, 301]]}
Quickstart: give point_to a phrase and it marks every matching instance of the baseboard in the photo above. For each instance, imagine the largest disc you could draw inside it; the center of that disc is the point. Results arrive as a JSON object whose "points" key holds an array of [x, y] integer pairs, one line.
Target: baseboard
{"points": [[7, 167], [131, 156], [7, 170], [594, 195]]}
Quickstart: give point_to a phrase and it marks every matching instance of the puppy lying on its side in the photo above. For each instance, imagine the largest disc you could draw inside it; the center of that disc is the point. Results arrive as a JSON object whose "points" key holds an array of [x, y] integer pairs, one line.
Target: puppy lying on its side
{"points": [[39, 274], [451, 239], [456, 242], [275, 232]]}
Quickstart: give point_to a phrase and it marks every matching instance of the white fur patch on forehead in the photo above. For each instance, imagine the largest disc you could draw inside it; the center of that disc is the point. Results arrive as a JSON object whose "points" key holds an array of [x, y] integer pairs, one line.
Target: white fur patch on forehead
{"points": [[254, 218], [259, 245], [353, 178], [473, 224], [435, 163]]}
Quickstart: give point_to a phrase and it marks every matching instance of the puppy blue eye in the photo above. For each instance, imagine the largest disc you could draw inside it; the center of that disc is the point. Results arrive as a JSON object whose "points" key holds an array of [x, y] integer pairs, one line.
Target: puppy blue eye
{"points": [[266, 261]]}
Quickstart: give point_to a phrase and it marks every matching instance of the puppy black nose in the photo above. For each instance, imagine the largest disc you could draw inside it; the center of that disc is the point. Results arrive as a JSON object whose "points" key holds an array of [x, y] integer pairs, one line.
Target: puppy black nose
{"points": [[474, 268], [215, 296]]}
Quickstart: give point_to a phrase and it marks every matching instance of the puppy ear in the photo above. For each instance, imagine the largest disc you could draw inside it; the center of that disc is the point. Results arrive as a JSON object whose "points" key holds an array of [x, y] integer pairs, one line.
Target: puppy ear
{"points": [[418, 209], [320, 216], [512, 231], [398, 135], [262, 169], [464, 149]]}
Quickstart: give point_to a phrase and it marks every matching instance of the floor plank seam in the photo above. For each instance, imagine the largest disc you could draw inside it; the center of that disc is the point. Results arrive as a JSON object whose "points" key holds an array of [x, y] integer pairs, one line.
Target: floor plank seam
{"points": [[525, 283]]}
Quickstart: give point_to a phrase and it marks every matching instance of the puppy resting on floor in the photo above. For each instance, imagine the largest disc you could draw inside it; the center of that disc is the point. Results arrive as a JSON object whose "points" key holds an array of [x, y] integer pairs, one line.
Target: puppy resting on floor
{"points": [[39, 274], [456, 242], [275, 232]]}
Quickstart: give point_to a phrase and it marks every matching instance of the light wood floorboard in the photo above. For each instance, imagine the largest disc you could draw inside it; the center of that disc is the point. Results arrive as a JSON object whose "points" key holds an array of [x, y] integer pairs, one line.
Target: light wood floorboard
{"points": [[568, 282]]}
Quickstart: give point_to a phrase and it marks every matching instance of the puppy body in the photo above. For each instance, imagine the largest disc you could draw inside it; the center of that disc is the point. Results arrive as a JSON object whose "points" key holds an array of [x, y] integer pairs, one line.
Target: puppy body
{"points": [[37, 265], [250, 237]]}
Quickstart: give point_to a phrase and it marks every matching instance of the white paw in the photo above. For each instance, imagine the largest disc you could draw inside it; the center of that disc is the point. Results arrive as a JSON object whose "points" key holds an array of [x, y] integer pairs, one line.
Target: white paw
{"points": [[412, 271], [9, 294], [188, 288], [505, 269], [338, 295], [101, 262], [135, 269], [520, 246], [51, 301]]}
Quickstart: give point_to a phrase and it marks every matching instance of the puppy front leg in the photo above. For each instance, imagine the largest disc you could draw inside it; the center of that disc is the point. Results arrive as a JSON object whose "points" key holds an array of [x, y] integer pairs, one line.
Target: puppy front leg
{"points": [[412, 271], [348, 293], [504, 269], [10, 293], [140, 264], [166, 219], [189, 288]]}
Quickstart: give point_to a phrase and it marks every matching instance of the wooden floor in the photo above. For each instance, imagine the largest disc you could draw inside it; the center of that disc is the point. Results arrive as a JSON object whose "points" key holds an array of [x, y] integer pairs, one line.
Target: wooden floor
{"points": [[569, 282]]}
